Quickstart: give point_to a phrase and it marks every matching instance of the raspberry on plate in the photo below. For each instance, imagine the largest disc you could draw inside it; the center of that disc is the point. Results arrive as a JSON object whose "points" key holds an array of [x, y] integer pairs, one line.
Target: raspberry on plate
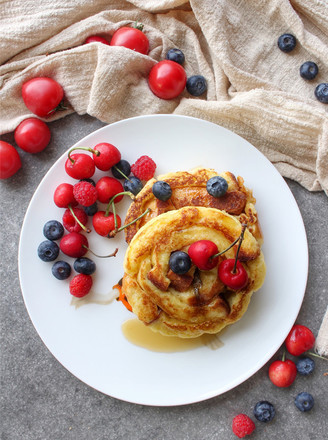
{"points": [[80, 285], [144, 168], [85, 193], [242, 425]]}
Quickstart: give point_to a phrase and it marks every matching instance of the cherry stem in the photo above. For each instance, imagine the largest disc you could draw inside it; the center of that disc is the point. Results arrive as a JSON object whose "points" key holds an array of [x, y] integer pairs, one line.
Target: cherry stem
{"points": [[101, 256], [78, 221], [244, 226], [310, 353], [121, 172], [90, 150], [225, 250], [128, 193], [115, 231], [283, 356], [137, 25]]}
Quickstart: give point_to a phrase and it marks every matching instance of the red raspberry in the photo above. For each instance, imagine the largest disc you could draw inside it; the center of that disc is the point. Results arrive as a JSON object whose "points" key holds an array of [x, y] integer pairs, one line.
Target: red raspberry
{"points": [[242, 425], [85, 193], [80, 285], [70, 223], [144, 168]]}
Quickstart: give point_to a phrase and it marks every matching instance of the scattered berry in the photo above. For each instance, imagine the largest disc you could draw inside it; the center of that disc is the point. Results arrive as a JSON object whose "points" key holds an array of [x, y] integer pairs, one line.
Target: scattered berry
{"points": [[74, 245], [53, 230], [133, 184], [196, 85], [71, 223], [10, 161], [96, 39], [85, 265], [242, 425], [80, 166], [144, 168], [167, 79], [175, 55], [90, 210], [122, 169], [309, 70], [304, 401], [179, 262], [48, 250], [282, 373], [107, 187], [299, 340], [264, 411], [103, 224], [42, 95], [162, 190], [105, 156], [286, 42], [61, 270], [63, 196], [217, 186], [85, 193], [321, 93], [32, 135], [80, 285], [305, 365]]}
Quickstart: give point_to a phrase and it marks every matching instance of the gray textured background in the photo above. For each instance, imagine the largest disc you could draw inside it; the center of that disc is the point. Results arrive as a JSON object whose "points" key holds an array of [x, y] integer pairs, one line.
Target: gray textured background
{"points": [[41, 400]]}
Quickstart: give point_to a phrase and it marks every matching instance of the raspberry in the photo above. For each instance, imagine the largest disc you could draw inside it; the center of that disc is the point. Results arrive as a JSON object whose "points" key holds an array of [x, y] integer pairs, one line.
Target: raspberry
{"points": [[80, 285], [85, 193], [144, 168], [242, 425], [70, 223]]}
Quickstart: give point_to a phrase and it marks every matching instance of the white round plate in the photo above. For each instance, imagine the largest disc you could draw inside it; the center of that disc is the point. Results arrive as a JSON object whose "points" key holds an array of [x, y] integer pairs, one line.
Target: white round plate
{"points": [[88, 340]]}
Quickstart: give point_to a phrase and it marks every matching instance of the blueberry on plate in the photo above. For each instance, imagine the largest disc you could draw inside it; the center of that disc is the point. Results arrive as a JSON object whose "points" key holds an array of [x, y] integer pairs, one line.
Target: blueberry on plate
{"points": [[84, 265], [264, 411], [179, 262], [133, 184], [53, 230], [321, 92], [175, 55], [48, 250], [121, 170], [61, 270], [91, 210], [304, 401], [286, 42], [217, 186], [93, 183], [305, 365], [309, 70], [196, 85], [162, 190]]}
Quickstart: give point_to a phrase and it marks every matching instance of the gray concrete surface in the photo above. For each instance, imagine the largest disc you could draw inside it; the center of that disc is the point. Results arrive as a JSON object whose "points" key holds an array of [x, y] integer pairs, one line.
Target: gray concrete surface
{"points": [[41, 400]]}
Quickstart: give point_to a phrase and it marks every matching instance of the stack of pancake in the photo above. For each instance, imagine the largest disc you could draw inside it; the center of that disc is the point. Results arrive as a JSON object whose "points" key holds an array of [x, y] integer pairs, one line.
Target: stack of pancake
{"points": [[197, 302]]}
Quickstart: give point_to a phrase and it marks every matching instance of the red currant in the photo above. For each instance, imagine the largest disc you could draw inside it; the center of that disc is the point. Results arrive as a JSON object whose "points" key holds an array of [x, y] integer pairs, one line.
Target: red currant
{"points": [[299, 340], [80, 166], [63, 196], [108, 156], [237, 279], [107, 187], [74, 244], [201, 252], [103, 224], [282, 373]]}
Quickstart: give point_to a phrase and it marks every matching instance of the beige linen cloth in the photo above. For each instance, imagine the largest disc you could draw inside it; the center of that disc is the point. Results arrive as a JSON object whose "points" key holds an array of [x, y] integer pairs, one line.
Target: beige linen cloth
{"points": [[254, 89]]}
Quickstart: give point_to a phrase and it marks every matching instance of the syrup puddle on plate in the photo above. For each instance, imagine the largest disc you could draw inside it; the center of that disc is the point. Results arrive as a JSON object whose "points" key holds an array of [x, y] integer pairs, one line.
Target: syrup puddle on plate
{"points": [[94, 298], [139, 334]]}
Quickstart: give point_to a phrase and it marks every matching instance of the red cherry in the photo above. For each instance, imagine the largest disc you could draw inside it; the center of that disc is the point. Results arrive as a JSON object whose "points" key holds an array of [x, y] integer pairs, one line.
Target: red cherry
{"points": [[10, 161], [201, 252], [96, 38], [80, 166], [74, 244], [107, 187], [299, 340], [235, 280], [108, 157], [63, 196], [282, 373], [32, 135], [103, 224], [69, 221]]}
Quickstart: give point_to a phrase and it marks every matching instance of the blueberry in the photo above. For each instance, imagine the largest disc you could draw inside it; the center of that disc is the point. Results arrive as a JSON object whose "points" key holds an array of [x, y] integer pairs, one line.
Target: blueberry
{"points": [[53, 230], [175, 55], [286, 42], [309, 70], [61, 270], [48, 250], [91, 210], [196, 85], [93, 183], [84, 265], [133, 185], [162, 190], [121, 170], [217, 186], [321, 92], [264, 411], [304, 401], [179, 262], [305, 365]]}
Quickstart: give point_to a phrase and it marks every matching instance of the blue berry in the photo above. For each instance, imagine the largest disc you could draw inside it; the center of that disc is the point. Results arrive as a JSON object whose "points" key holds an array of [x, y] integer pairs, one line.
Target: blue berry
{"points": [[121, 170], [309, 70], [179, 262], [304, 401], [93, 183], [133, 185], [286, 42], [84, 265], [162, 190], [53, 230], [321, 92], [175, 55], [61, 270], [48, 250], [196, 85], [264, 411], [217, 186], [90, 210], [305, 365]]}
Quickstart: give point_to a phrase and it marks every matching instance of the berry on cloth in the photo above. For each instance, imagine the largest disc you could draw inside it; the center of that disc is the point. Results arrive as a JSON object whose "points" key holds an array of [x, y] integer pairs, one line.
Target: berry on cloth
{"points": [[80, 285], [196, 85], [242, 425], [321, 93], [144, 168], [175, 55], [304, 401], [286, 42], [309, 70], [85, 193]]}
